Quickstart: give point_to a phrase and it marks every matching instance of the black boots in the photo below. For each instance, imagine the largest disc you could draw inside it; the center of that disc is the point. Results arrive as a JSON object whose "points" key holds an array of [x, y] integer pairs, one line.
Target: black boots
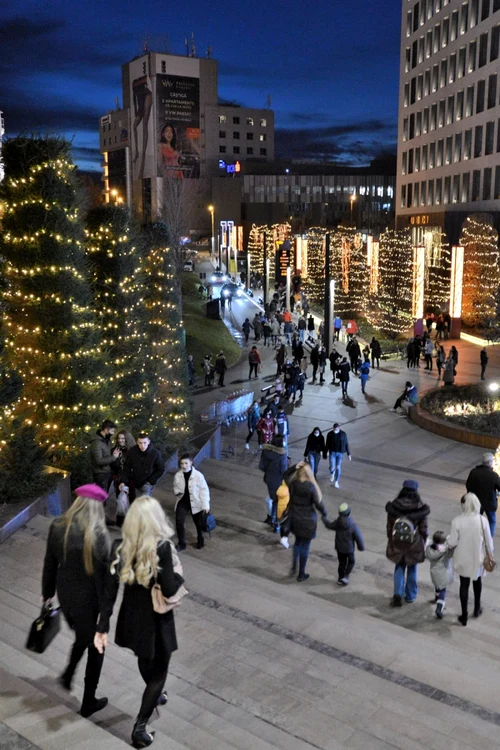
{"points": [[140, 735], [91, 706]]}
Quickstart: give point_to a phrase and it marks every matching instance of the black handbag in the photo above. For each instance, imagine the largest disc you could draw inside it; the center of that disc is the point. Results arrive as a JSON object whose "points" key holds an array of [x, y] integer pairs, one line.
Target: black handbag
{"points": [[44, 629]]}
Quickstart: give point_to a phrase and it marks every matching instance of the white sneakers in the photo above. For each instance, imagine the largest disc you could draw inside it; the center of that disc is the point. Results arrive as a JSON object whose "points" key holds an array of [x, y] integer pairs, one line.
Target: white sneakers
{"points": [[337, 485], [247, 446], [284, 541]]}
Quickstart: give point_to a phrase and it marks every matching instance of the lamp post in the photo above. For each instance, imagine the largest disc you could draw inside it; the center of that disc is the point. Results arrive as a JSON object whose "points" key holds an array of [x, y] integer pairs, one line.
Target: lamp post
{"points": [[288, 279], [352, 199], [328, 307], [212, 211], [247, 280]]}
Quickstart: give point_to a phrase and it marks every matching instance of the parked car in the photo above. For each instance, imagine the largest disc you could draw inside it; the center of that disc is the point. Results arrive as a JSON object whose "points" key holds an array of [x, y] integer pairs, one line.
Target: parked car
{"points": [[188, 265]]}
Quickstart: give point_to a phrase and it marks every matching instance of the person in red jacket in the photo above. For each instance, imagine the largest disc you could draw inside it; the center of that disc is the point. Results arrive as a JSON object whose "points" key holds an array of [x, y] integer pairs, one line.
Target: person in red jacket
{"points": [[266, 425], [254, 362], [351, 329]]}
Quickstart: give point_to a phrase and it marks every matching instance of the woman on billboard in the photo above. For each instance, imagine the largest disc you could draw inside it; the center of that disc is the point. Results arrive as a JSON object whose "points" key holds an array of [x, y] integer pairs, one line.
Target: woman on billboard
{"points": [[169, 156]]}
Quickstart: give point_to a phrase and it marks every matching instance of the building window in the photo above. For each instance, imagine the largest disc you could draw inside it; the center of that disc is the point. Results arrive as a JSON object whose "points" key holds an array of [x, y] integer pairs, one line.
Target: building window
{"points": [[496, 5], [222, 133], [263, 137], [236, 149], [481, 88], [478, 141], [458, 148], [428, 44], [437, 38], [450, 115], [406, 95], [236, 135], [415, 17], [420, 87], [495, 39], [263, 123], [222, 149], [441, 113], [413, 90], [440, 153], [163, 66], [430, 197], [462, 54], [263, 152], [498, 137], [403, 196], [407, 60], [424, 158], [465, 187], [467, 144], [433, 116], [421, 49], [417, 160], [405, 129], [222, 118], [425, 126], [404, 163], [250, 121], [456, 189], [249, 151], [249, 136], [443, 78], [454, 26], [469, 102], [453, 68], [487, 184], [496, 193], [439, 191], [474, 13], [435, 78], [460, 105], [236, 120], [449, 149], [446, 32], [492, 91], [104, 141], [472, 56], [412, 127], [432, 155], [483, 50], [408, 23], [410, 161], [418, 124], [416, 193], [476, 184], [427, 82], [447, 189], [485, 9], [489, 138], [464, 18]]}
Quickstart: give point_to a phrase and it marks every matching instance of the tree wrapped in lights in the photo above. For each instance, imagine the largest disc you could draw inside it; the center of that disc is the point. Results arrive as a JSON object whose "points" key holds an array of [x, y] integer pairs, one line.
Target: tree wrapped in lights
{"points": [[52, 337], [315, 282], [481, 270], [395, 286], [256, 244], [348, 268], [437, 271]]}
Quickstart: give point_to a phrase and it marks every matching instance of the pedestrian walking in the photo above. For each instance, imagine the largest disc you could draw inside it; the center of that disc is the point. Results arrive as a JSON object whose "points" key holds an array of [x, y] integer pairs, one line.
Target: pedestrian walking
{"points": [[191, 370], [142, 469], [409, 396], [311, 327], [280, 359], [347, 537], [407, 531], [470, 540], [76, 562], [102, 455], [301, 382], [302, 326], [273, 462], [344, 370], [144, 557], [314, 357], [439, 555], [449, 371], [267, 332], [376, 352], [334, 358], [351, 329], [315, 447], [366, 354], [454, 356], [322, 357], [484, 482], [220, 368], [246, 329], [253, 418], [222, 302], [440, 359], [428, 352], [275, 331], [265, 427], [483, 358], [257, 327], [193, 497], [364, 373], [305, 499], [254, 362], [208, 370], [354, 351], [336, 445], [282, 426], [337, 326]]}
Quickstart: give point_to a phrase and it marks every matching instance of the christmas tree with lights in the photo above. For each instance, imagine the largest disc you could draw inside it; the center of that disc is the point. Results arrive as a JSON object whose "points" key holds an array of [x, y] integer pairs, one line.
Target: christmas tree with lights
{"points": [[52, 337], [481, 270]]}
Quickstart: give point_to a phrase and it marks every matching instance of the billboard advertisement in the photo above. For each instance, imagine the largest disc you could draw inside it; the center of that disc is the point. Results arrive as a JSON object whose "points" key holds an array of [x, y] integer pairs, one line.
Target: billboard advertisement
{"points": [[141, 97], [178, 126]]}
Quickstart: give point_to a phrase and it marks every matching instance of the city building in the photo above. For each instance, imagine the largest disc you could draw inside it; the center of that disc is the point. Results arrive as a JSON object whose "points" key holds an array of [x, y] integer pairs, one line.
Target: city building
{"points": [[172, 126], [448, 164]]}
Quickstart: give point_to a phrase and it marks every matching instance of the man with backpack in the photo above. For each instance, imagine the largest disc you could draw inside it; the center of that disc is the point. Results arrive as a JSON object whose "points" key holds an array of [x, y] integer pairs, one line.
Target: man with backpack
{"points": [[407, 531]]}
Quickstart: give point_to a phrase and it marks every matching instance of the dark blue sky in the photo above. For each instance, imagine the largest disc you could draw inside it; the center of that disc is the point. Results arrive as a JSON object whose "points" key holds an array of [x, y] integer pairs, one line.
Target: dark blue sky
{"points": [[331, 67]]}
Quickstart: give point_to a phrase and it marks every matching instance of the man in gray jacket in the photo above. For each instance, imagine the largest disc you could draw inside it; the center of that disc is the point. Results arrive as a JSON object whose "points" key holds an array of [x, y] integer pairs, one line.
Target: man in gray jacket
{"points": [[101, 455]]}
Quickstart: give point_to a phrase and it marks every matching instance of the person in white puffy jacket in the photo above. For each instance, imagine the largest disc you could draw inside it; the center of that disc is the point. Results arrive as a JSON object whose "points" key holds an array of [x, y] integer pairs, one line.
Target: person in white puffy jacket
{"points": [[193, 496]]}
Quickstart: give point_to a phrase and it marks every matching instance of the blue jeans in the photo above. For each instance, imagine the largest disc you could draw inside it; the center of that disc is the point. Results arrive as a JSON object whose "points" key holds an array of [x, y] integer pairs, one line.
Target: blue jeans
{"points": [[300, 554], [314, 458], [408, 589], [491, 515], [336, 465], [302, 334]]}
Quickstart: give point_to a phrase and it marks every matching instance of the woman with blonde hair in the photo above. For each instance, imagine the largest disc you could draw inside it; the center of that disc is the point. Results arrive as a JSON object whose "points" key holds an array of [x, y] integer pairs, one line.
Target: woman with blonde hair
{"points": [[470, 538], [76, 566], [305, 499], [145, 556]]}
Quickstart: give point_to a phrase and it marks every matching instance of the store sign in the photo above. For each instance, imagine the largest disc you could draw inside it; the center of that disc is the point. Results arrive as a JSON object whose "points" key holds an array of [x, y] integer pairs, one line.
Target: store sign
{"points": [[283, 257], [420, 220], [230, 168]]}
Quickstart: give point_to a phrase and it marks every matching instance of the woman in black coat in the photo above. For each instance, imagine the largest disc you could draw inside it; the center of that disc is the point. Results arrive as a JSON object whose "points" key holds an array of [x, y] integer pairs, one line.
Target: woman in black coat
{"points": [[76, 564], [305, 499], [145, 555], [315, 446], [273, 462]]}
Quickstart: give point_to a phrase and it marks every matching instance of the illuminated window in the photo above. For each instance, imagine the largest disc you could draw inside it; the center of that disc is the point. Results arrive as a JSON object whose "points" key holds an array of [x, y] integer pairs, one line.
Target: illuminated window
{"points": [[222, 118], [263, 123]]}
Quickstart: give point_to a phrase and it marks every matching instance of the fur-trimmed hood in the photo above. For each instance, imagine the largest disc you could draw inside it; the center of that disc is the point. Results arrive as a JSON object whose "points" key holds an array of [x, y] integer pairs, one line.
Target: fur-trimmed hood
{"points": [[274, 449]]}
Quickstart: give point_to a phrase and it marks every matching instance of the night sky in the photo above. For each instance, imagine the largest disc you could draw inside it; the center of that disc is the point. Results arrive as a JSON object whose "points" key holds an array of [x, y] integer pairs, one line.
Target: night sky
{"points": [[331, 68]]}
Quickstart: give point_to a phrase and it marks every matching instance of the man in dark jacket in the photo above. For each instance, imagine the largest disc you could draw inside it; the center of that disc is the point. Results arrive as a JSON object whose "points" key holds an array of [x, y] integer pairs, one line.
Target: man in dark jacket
{"points": [[334, 358], [101, 455], [274, 463], [336, 445], [143, 468], [302, 325], [484, 482], [347, 534], [376, 352], [221, 367], [354, 351], [314, 358], [407, 531], [344, 375]]}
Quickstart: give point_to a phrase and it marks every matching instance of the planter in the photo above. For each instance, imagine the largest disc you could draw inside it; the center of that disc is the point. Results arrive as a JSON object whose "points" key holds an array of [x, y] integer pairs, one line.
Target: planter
{"points": [[442, 427], [53, 503]]}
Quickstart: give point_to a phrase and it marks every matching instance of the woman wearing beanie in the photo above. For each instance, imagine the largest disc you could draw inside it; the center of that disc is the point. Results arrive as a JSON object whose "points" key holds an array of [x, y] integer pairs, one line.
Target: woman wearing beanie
{"points": [[76, 565], [407, 531], [145, 556]]}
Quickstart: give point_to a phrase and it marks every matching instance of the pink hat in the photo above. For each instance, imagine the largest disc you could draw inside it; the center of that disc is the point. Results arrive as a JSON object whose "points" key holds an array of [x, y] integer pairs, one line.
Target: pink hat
{"points": [[92, 491]]}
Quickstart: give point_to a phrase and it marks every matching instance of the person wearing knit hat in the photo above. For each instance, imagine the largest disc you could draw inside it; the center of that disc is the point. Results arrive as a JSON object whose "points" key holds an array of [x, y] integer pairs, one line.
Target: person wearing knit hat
{"points": [[75, 566], [347, 536], [407, 531]]}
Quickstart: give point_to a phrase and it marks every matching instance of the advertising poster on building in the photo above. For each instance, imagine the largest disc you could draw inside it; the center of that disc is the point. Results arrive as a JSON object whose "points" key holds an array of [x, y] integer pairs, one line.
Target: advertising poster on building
{"points": [[141, 98], [178, 126]]}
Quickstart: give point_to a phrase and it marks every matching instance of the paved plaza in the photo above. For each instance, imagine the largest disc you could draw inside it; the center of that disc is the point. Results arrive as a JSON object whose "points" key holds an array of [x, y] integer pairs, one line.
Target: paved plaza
{"points": [[263, 661]]}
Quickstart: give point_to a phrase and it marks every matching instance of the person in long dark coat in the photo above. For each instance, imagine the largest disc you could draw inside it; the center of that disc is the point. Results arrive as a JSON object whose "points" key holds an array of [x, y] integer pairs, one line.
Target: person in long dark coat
{"points": [[145, 556], [273, 462], [76, 563], [305, 499]]}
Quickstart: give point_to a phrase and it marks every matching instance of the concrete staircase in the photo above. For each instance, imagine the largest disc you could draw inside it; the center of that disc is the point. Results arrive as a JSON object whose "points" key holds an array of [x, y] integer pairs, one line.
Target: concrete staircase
{"points": [[264, 662]]}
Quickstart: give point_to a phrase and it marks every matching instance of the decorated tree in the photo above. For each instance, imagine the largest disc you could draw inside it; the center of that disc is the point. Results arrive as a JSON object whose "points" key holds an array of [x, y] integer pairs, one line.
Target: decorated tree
{"points": [[348, 268], [315, 282], [256, 241], [52, 339], [395, 262], [481, 269]]}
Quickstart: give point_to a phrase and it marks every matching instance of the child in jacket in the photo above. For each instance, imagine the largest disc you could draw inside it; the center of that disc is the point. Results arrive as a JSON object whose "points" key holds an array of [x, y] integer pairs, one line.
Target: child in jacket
{"points": [[439, 555], [347, 535]]}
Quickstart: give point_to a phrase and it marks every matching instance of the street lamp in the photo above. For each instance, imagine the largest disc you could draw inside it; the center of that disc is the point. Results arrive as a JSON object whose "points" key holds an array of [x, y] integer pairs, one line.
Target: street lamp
{"points": [[212, 211], [352, 199]]}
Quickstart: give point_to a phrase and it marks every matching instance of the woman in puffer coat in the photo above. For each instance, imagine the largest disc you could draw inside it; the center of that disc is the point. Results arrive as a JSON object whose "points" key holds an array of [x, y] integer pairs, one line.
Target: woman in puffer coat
{"points": [[274, 463], [265, 426], [305, 499]]}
